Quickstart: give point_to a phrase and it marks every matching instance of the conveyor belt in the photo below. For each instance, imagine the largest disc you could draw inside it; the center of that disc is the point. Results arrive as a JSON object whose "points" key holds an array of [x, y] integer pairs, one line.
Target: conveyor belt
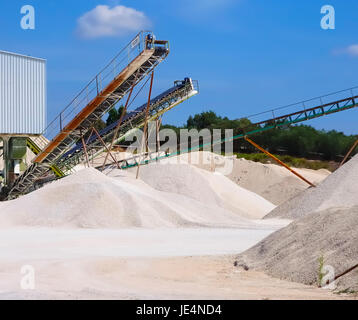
{"points": [[129, 67], [32, 145], [181, 91], [301, 115]]}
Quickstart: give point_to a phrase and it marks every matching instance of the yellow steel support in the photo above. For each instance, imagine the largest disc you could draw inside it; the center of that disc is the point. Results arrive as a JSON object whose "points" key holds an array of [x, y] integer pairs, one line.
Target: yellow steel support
{"points": [[36, 150], [279, 161]]}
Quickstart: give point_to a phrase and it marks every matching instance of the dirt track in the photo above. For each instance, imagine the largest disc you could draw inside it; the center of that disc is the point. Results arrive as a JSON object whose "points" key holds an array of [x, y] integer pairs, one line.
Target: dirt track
{"points": [[200, 277]]}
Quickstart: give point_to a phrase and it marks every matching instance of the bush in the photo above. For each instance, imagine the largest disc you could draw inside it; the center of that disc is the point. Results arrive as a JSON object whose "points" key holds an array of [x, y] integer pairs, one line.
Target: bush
{"points": [[289, 160]]}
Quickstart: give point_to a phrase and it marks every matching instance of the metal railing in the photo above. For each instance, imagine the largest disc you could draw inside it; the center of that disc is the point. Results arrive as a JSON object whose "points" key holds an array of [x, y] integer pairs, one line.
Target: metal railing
{"points": [[195, 85], [137, 121], [302, 105], [327, 104], [97, 84]]}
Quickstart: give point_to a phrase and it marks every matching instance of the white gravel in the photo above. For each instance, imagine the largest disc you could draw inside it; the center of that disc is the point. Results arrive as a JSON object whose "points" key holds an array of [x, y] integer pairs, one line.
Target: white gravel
{"points": [[272, 182], [293, 253], [339, 190], [211, 188]]}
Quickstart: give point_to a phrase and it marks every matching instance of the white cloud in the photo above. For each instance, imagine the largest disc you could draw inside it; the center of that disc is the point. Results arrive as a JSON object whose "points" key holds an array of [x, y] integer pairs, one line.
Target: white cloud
{"points": [[104, 21], [352, 50]]}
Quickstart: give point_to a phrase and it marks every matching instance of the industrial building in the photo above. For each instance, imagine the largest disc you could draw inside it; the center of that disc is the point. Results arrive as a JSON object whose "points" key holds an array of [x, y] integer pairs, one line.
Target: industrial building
{"points": [[72, 136], [22, 109], [23, 113]]}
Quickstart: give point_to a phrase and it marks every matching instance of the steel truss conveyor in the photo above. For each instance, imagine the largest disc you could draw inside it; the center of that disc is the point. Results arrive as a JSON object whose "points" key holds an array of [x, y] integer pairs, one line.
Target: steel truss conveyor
{"points": [[129, 67], [304, 114], [181, 91]]}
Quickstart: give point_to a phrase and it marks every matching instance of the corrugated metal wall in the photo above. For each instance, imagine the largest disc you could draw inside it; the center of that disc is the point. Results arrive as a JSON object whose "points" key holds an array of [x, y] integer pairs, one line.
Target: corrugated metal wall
{"points": [[22, 94]]}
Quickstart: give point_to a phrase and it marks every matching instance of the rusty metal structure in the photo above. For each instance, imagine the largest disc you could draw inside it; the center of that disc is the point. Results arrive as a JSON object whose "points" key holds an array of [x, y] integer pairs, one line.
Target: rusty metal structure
{"points": [[275, 118], [279, 161], [67, 145], [117, 131], [138, 59], [355, 144]]}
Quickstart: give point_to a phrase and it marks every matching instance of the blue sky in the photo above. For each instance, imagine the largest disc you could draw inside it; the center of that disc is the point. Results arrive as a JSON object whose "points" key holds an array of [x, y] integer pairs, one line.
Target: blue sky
{"points": [[248, 55]]}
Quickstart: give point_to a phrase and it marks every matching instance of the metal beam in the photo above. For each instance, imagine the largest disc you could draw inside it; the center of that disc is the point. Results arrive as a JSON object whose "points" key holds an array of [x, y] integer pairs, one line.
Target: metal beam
{"points": [[355, 144], [117, 128], [146, 120], [279, 161]]}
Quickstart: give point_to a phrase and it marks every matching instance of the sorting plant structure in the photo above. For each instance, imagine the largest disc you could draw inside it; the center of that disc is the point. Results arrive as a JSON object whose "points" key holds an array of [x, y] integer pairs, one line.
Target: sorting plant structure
{"points": [[273, 218], [62, 145], [57, 156]]}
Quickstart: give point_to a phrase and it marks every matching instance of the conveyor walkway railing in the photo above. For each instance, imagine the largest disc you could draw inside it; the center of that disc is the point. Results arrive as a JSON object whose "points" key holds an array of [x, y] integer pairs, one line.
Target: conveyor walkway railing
{"points": [[129, 67], [167, 100], [297, 116]]}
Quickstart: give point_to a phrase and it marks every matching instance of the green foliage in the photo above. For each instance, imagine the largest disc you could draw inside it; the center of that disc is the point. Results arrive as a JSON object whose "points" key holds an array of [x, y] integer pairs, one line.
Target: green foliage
{"points": [[99, 125], [289, 160], [207, 119], [114, 115], [297, 141], [210, 120], [320, 268], [305, 141]]}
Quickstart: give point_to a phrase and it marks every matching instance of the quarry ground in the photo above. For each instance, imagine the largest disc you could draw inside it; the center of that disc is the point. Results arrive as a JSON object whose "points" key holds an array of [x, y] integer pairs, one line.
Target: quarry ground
{"points": [[181, 278], [139, 264], [176, 233]]}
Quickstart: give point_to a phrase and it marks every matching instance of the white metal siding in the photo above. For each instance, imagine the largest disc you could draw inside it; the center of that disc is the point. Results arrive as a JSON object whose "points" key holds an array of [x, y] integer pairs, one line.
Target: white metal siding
{"points": [[22, 94]]}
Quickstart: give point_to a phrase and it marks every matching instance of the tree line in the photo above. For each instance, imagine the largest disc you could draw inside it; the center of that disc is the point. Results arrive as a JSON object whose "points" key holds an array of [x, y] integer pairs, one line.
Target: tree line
{"points": [[302, 141], [295, 140]]}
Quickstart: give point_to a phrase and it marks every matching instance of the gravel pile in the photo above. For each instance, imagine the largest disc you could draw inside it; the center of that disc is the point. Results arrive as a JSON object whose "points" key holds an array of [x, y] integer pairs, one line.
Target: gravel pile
{"points": [[293, 252], [325, 226], [339, 190], [90, 199], [272, 182], [212, 188]]}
